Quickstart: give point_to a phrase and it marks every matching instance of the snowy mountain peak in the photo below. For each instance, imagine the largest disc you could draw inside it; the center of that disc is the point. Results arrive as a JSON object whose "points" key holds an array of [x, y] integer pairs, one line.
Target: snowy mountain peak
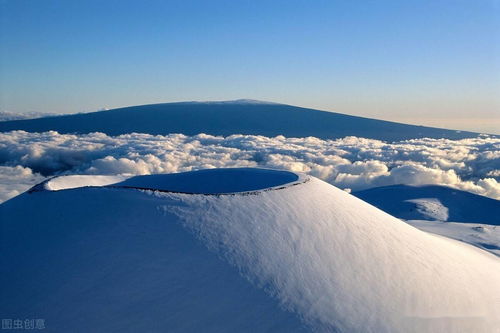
{"points": [[210, 181], [306, 257]]}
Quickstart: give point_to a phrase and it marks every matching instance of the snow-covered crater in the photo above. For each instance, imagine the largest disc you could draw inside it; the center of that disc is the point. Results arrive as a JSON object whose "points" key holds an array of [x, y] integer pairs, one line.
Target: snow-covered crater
{"points": [[210, 181]]}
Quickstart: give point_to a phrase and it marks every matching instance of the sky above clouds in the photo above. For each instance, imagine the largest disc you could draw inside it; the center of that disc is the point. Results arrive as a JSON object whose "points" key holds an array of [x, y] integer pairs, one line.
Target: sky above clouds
{"points": [[425, 62], [350, 163]]}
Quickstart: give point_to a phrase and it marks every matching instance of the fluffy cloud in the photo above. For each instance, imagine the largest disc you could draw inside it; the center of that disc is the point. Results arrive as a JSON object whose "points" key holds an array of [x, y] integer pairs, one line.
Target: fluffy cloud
{"points": [[16, 180], [350, 163]]}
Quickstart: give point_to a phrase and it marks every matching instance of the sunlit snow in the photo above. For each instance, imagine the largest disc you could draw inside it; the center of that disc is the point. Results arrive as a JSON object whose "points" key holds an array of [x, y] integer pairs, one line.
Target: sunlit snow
{"points": [[304, 255]]}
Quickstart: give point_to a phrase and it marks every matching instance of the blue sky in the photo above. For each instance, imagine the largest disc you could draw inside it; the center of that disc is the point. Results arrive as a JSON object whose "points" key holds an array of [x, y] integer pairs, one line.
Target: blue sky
{"points": [[425, 62]]}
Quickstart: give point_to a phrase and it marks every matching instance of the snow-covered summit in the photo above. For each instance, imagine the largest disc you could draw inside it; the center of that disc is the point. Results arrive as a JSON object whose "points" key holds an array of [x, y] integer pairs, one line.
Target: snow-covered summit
{"points": [[210, 181], [292, 256]]}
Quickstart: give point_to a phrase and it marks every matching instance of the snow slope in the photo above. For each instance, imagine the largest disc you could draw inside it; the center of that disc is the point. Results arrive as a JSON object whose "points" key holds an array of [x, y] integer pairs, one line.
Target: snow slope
{"points": [[484, 236], [226, 118], [442, 210], [433, 202], [114, 258]]}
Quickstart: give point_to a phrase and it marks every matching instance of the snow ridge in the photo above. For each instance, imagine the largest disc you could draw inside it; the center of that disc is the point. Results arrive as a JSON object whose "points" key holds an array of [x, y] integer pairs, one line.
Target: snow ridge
{"points": [[343, 265]]}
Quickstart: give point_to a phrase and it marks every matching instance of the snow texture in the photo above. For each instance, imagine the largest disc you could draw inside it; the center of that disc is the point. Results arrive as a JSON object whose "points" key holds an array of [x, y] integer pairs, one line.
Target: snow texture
{"points": [[117, 259], [472, 164]]}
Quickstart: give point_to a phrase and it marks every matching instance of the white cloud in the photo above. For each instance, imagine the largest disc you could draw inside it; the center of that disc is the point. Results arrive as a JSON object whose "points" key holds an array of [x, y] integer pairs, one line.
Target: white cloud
{"points": [[16, 180], [351, 162]]}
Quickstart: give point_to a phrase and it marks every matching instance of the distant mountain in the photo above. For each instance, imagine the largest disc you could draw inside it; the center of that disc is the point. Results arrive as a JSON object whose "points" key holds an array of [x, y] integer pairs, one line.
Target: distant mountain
{"points": [[433, 202], [231, 117]]}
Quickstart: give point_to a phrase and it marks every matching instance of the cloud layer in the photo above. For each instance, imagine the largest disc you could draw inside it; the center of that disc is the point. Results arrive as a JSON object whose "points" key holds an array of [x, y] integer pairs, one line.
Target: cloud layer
{"points": [[350, 163], [7, 115]]}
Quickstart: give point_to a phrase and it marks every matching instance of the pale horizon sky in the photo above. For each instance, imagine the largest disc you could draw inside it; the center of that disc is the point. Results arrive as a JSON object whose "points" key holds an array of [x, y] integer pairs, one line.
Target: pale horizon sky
{"points": [[434, 63]]}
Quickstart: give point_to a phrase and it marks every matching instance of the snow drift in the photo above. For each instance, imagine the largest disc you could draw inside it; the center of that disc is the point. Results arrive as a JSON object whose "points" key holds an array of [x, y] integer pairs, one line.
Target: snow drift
{"points": [[295, 254]]}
